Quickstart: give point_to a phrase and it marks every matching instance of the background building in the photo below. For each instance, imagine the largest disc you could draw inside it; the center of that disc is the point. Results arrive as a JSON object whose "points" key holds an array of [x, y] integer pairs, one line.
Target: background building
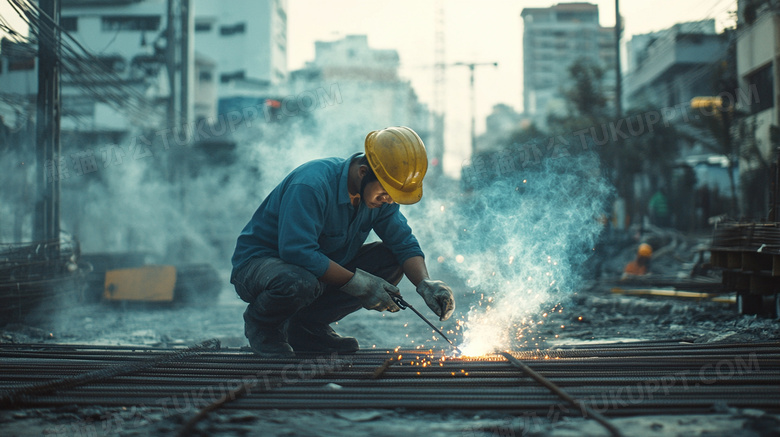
{"points": [[500, 124], [217, 53], [758, 46], [123, 82], [674, 65], [246, 40], [370, 91], [667, 70], [553, 38]]}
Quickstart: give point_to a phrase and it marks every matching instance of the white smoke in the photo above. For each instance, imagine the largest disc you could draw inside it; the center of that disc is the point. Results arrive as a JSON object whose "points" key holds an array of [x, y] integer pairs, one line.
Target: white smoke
{"points": [[517, 244]]}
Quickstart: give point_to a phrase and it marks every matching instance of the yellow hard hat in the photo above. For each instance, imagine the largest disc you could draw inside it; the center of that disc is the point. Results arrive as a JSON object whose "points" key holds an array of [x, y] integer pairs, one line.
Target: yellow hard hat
{"points": [[645, 250], [398, 158]]}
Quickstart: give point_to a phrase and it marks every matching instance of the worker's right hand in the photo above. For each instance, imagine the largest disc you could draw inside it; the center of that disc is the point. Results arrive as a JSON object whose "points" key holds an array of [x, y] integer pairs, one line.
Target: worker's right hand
{"points": [[372, 291]]}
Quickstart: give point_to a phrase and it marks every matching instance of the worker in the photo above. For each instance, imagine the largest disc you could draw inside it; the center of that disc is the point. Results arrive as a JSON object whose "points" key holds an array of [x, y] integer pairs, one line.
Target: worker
{"points": [[658, 208], [641, 264], [301, 262]]}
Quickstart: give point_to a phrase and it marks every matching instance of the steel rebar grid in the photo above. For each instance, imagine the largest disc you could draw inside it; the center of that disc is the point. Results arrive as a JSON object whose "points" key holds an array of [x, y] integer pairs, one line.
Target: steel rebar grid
{"points": [[615, 380]]}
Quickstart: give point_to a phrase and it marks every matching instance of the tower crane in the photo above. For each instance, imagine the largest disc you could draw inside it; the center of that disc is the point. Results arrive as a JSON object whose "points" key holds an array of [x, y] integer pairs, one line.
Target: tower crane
{"points": [[471, 66]]}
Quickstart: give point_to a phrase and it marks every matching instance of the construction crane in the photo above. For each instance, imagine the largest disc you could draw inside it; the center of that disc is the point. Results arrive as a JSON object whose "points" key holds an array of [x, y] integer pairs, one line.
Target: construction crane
{"points": [[440, 84], [471, 66]]}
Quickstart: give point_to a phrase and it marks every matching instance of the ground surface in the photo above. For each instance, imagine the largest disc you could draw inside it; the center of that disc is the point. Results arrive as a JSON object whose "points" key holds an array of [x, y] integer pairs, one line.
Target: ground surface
{"points": [[592, 315]]}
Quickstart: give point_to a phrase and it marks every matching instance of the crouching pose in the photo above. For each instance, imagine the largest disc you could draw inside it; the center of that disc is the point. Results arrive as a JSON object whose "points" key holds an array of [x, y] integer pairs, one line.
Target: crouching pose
{"points": [[301, 262]]}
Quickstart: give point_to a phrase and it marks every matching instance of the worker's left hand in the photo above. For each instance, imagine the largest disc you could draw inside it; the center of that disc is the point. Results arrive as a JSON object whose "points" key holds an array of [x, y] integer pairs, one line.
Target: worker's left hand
{"points": [[438, 296]]}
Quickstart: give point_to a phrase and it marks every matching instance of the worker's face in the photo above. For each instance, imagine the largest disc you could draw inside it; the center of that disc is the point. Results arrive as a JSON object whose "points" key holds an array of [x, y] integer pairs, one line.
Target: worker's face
{"points": [[374, 195]]}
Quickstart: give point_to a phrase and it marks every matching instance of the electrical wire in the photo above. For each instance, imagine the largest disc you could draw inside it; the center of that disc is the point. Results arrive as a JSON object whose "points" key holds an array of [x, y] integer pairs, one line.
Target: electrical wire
{"points": [[86, 70]]}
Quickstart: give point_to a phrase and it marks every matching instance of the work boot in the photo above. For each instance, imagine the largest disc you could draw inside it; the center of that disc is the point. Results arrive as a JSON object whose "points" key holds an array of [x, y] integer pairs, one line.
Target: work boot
{"points": [[269, 343], [315, 337]]}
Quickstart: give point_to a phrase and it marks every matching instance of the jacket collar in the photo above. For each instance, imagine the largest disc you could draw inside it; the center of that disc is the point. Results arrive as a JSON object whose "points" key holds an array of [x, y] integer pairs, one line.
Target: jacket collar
{"points": [[343, 195]]}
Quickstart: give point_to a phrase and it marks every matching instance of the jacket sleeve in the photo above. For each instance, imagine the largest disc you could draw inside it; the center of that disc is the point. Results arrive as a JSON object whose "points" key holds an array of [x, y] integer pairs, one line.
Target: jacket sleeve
{"points": [[391, 227], [301, 219]]}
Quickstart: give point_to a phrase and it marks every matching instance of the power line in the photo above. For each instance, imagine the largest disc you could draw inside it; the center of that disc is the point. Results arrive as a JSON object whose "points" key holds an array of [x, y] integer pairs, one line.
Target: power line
{"points": [[96, 79]]}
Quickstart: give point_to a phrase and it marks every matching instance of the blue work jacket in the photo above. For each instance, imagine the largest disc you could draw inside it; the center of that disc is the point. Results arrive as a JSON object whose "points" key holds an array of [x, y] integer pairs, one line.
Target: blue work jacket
{"points": [[308, 220]]}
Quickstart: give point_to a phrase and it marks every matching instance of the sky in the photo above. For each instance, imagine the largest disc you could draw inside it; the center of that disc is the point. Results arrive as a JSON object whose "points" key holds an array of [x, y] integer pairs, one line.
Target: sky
{"points": [[475, 31]]}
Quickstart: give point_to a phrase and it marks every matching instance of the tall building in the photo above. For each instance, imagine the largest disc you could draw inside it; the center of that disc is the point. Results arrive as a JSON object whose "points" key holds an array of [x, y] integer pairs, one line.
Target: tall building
{"points": [[553, 39], [247, 42]]}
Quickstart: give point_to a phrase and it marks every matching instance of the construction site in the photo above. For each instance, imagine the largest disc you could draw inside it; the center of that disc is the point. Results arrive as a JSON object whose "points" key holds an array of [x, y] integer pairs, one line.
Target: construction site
{"points": [[204, 231]]}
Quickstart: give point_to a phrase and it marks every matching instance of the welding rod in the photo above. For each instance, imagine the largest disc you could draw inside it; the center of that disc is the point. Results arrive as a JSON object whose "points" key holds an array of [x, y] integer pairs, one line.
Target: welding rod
{"points": [[584, 409], [404, 305]]}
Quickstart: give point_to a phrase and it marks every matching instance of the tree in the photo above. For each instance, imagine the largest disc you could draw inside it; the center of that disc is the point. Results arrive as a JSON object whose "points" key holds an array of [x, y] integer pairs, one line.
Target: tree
{"points": [[627, 146]]}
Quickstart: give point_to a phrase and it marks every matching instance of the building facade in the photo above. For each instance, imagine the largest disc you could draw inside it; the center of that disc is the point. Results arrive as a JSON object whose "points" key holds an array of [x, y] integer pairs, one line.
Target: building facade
{"points": [[123, 82], [553, 39], [672, 66], [758, 54], [216, 53], [371, 95], [246, 40]]}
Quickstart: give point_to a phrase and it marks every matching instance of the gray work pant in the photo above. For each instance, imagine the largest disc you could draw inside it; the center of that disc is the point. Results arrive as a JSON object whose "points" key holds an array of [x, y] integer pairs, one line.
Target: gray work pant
{"points": [[279, 293]]}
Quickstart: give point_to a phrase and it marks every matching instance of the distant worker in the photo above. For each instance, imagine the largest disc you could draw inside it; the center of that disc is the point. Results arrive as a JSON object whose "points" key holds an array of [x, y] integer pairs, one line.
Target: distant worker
{"points": [[641, 264], [658, 208], [301, 262]]}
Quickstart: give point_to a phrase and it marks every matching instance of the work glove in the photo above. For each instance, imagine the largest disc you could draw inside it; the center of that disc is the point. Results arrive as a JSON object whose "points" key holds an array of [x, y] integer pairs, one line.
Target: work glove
{"points": [[372, 291], [438, 296]]}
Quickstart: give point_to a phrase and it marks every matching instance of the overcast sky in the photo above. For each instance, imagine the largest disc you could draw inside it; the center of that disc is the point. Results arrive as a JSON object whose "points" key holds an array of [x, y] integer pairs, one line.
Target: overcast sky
{"points": [[476, 31]]}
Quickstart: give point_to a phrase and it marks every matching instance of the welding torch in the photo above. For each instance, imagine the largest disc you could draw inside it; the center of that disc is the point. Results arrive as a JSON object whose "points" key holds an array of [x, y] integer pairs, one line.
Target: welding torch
{"points": [[404, 305]]}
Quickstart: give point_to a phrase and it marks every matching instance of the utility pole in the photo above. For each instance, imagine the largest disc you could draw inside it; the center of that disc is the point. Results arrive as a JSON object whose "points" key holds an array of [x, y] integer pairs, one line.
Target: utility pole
{"points": [[178, 60], [47, 125], [185, 72], [471, 66], [178, 54], [618, 78], [173, 62], [439, 86]]}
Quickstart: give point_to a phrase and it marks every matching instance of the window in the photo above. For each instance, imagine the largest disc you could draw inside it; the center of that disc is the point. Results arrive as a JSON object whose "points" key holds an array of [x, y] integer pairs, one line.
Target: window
{"points": [[130, 22], [112, 63], [205, 76], [232, 30], [229, 77], [21, 63], [762, 81], [577, 17], [202, 26], [69, 24]]}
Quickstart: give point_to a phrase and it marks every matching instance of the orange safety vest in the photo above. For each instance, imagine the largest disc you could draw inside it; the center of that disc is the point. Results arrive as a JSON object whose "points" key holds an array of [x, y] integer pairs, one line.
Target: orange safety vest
{"points": [[634, 268]]}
